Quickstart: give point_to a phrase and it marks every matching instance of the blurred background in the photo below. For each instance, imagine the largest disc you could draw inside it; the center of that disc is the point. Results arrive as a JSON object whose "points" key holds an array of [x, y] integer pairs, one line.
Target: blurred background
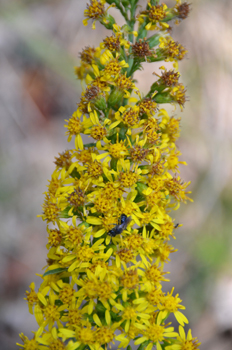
{"points": [[39, 45]]}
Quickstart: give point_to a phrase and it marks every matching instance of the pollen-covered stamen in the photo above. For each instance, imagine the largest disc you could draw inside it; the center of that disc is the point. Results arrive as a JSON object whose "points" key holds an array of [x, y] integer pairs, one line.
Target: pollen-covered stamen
{"points": [[85, 335], [133, 241], [133, 332], [129, 313], [51, 312], [118, 150], [84, 253], [64, 160], [76, 198], [74, 125], [81, 71], [113, 190], [128, 179], [112, 43], [90, 289], [66, 294], [95, 169], [171, 303], [138, 153], [57, 344], [183, 10], [104, 290], [113, 68], [104, 335], [173, 49], [87, 54], [173, 129], [155, 296], [29, 344], [31, 297], [156, 183], [102, 84], [95, 265], [54, 184], [177, 188], [130, 279], [126, 255], [178, 93], [147, 106], [154, 274], [155, 333], [192, 344], [146, 219], [142, 49], [164, 251], [150, 245], [124, 83], [157, 169], [50, 209], [74, 235], [150, 129], [74, 317], [84, 156], [98, 132], [157, 13], [95, 10], [54, 237], [103, 204], [166, 231], [153, 199], [131, 117]]}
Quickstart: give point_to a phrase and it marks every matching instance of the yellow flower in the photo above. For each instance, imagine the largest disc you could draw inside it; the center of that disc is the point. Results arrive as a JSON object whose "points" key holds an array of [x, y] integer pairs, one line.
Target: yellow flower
{"points": [[169, 303], [156, 333], [183, 342], [94, 11]]}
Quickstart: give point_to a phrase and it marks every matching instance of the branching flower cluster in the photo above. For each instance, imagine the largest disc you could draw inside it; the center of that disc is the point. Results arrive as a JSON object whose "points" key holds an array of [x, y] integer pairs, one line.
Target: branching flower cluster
{"points": [[109, 201]]}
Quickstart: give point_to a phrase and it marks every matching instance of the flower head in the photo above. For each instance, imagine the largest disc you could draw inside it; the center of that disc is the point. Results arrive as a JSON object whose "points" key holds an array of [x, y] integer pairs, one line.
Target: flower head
{"points": [[109, 201]]}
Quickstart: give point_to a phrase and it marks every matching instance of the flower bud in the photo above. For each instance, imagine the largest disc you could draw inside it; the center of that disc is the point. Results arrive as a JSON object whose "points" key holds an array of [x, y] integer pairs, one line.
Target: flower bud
{"points": [[163, 98], [153, 40], [141, 187], [108, 21], [100, 103], [115, 98]]}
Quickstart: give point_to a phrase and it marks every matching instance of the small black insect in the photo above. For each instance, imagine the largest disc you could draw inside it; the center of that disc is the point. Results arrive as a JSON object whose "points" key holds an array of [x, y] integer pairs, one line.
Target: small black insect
{"points": [[117, 230], [176, 225]]}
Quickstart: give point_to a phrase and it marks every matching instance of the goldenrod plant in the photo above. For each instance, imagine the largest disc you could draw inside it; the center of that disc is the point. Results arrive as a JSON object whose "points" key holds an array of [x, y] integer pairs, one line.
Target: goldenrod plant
{"points": [[109, 201]]}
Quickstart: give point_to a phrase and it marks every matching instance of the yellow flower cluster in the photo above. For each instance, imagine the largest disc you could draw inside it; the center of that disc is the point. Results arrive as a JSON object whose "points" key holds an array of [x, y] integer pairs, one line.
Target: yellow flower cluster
{"points": [[108, 202]]}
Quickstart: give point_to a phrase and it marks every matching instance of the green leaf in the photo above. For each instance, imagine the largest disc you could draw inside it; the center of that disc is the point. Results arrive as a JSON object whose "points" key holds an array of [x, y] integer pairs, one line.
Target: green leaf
{"points": [[90, 144], [64, 213], [75, 174], [55, 271], [100, 308], [153, 40], [143, 345], [141, 187], [113, 163], [139, 198]]}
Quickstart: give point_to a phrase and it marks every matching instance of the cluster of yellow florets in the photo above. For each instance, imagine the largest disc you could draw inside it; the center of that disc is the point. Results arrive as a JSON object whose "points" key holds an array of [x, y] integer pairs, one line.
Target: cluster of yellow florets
{"points": [[110, 200]]}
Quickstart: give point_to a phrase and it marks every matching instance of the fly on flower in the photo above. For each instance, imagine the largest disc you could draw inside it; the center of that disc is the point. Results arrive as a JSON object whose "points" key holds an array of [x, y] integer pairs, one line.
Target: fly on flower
{"points": [[117, 230]]}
